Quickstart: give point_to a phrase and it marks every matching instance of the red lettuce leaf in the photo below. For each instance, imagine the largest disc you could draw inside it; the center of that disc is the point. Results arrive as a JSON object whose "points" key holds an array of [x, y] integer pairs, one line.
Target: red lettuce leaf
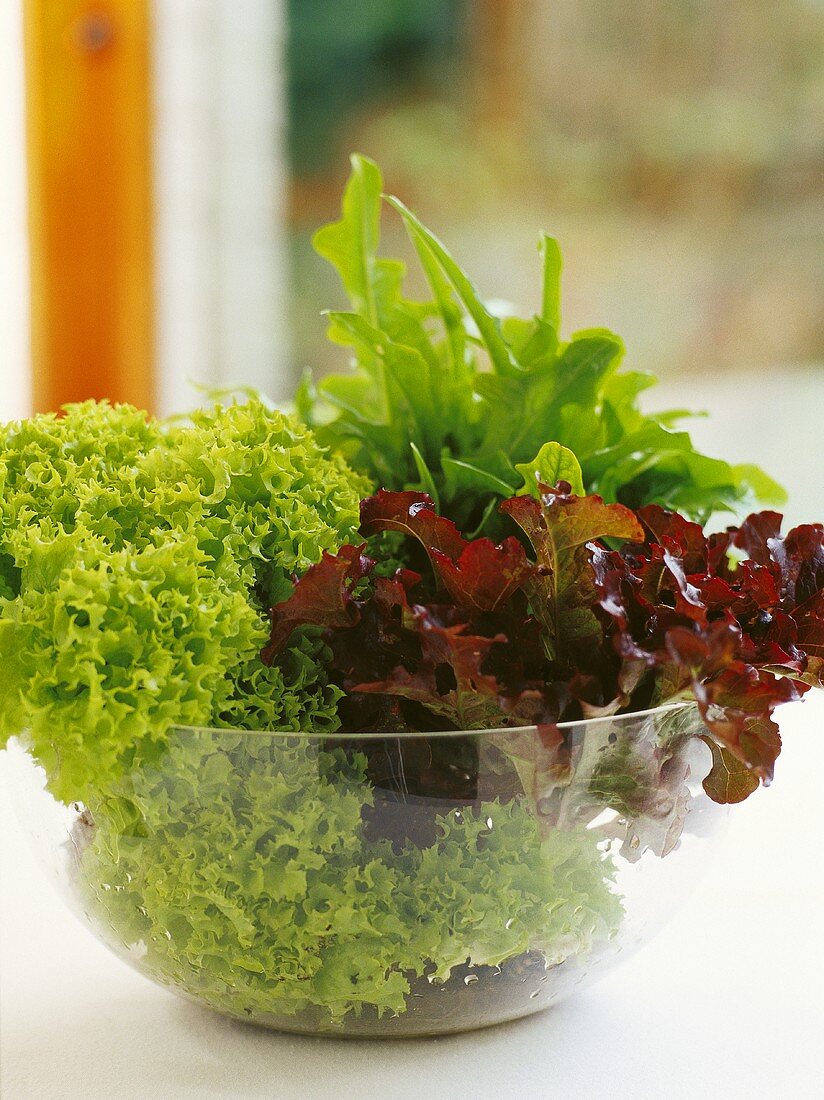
{"points": [[485, 576], [448, 678], [729, 780], [322, 597], [411, 514], [562, 591], [675, 533], [755, 533]]}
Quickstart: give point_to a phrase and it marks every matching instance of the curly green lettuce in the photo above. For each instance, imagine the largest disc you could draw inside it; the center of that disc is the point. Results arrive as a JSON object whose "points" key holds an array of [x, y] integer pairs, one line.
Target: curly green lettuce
{"points": [[241, 871], [49, 465], [253, 486], [137, 559]]}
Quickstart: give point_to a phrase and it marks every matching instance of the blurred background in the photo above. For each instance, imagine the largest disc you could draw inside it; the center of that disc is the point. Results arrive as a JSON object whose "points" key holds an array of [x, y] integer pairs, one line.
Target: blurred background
{"points": [[180, 154]]}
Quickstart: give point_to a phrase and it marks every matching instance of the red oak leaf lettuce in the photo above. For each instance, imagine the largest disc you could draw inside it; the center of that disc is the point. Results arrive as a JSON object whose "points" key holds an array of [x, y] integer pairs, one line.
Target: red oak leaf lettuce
{"points": [[587, 609]]}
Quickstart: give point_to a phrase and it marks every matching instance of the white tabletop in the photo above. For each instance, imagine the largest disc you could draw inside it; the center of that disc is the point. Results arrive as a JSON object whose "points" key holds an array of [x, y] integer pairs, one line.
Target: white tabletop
{"points": [[728, 1001]]}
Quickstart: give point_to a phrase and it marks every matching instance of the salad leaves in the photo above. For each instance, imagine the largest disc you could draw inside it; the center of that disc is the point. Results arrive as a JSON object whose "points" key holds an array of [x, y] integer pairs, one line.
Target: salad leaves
{"points": [[138, 558], [489, 636], [529, 558], [447, 398], [313, 912]]}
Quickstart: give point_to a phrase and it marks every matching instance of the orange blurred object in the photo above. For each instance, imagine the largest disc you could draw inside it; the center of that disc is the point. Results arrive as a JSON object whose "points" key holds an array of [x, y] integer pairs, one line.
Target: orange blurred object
{"points": [[88, 119]]}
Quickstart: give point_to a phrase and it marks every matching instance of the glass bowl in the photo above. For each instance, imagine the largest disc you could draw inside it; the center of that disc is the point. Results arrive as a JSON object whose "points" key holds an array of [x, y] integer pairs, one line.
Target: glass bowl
{"points": [[385, 885]]}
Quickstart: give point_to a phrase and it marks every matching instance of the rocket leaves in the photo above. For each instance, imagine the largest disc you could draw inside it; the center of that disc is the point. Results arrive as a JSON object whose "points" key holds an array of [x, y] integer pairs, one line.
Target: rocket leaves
{"points": [[446, 397]]}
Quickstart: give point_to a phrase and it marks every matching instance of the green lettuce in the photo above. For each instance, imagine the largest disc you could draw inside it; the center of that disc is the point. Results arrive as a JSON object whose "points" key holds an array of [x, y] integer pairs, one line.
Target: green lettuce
{"points": [[137, 561], [241, 870]]}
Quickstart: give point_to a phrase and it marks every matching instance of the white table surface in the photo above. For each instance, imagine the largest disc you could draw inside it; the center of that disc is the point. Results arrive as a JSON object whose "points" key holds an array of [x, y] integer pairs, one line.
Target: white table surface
{"points": [[728, 1001]]}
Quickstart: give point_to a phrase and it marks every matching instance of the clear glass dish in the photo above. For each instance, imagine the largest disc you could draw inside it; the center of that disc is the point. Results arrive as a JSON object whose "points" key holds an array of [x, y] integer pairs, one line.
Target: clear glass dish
{"points": [[385, 884]]}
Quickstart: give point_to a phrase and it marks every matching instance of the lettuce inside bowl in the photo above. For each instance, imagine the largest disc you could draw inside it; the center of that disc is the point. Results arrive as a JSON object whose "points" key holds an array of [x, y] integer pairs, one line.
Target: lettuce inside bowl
{"points": [[347, 886]]}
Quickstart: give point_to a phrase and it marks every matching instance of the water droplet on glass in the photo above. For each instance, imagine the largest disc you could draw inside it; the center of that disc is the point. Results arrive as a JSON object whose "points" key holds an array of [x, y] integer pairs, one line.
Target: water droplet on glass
{"points": [[489, 823], [509, 923], [470, 979], [635, 843], [458, 817], [532, 996], [105, 886]]}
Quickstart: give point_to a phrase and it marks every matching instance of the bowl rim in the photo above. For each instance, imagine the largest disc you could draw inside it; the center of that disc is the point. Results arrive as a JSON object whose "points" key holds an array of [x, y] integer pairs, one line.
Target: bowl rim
{"points": [[395, 735]]}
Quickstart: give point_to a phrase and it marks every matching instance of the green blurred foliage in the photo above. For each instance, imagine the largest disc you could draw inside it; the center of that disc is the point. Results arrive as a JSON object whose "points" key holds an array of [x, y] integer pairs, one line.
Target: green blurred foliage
{"points": [[345, 54]]}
